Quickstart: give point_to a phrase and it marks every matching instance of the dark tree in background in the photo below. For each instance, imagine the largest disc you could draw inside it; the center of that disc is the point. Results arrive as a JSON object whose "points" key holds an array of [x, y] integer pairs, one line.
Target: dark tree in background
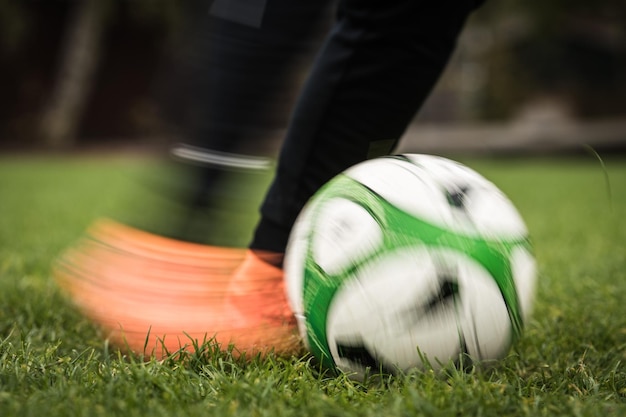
{"points": [[80, 71], [79, 57], [573, 51]]}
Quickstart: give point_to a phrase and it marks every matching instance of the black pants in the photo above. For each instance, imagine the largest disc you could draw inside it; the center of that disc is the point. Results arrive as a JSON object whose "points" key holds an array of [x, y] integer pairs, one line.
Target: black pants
{"points": [[378, 63]]}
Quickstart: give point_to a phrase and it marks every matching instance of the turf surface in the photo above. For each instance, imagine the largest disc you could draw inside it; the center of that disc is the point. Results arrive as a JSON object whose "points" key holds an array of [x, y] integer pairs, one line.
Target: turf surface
{"points": [[53, 362]]}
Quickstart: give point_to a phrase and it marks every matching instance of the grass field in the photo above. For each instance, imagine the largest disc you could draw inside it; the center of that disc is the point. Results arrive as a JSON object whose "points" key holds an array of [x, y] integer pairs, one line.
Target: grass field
{"points": [[571, 361]]}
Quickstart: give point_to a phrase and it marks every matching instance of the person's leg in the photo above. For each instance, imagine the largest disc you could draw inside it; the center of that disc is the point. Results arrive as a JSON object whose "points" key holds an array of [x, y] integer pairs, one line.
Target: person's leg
{"points": [[240, 68], [377, 67], [238, 77], [160, 291]]}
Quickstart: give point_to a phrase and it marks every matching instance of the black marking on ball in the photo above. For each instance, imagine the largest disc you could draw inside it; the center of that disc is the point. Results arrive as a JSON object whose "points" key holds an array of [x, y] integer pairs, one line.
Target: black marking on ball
{"points": [[358, 353], [456, 197], [399, 157], [444, 298], [448, 291]]}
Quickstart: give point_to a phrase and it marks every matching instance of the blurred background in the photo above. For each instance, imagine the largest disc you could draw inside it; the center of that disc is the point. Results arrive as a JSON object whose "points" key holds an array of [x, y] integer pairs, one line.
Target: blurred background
{"points": [[528, 76]]}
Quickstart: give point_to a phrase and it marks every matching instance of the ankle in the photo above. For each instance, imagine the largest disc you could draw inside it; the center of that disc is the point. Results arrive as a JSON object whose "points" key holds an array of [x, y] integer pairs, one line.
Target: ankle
{"points": [[273, 258], [270, 236]]}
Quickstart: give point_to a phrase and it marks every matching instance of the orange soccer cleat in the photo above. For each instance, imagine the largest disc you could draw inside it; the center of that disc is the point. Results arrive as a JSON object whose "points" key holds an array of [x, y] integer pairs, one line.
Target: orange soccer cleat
{"points": [[257, 293], [156, 295]]}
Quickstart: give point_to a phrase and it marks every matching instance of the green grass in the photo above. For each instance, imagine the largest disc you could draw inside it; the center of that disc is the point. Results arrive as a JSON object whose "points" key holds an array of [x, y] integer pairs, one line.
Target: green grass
{"points": [[54, 363]]}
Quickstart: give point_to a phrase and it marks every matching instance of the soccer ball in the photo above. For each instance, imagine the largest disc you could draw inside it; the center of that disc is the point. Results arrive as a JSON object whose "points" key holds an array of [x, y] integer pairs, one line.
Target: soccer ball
{"points": [[409, 261]]}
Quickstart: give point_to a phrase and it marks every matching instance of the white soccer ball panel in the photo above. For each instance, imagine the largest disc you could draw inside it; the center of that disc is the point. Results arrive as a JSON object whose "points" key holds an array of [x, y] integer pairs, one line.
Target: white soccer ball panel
{"points": [[435, 340], [493, 214], [346, 234], [485, 322], [404, 186], [378, 300], [294, 271], [295, 256], [395, 310], [524, 270], [486, 210], [422, 323], [447, 172], [375, 293]]}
